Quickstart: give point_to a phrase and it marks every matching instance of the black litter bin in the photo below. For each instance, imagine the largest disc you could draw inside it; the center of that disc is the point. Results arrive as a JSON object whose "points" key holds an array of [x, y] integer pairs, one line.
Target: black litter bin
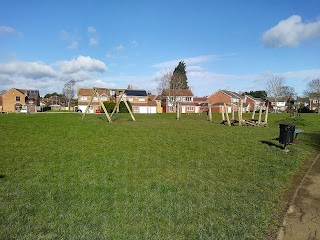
{"points": [[286, 133]]}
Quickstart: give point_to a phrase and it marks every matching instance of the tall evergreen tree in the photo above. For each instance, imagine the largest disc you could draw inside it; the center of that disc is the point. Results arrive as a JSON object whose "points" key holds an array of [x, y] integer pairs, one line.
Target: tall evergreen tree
{"points": [[179, 78]]}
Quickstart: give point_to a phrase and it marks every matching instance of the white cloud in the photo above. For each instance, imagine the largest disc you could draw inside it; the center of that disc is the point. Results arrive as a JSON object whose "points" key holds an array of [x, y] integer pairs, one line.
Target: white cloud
{"points": [[93, 41], [50, 77], [188, 61], [134, 43], [120, 47], [4, 30], [73, 45], [91, 30], [70, 38], [35, 70], [291, 32], [83, 63]]}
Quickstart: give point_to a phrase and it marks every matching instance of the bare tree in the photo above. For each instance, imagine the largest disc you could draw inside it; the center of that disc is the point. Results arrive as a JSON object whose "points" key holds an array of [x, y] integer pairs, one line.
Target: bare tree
{"points": [[69, 91], [275, 87], [313, 91], [287, 91], [169, 89]]}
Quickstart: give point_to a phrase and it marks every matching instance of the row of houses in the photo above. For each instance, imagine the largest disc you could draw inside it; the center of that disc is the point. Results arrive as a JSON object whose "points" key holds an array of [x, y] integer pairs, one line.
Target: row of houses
{"points": [[142, 102]]}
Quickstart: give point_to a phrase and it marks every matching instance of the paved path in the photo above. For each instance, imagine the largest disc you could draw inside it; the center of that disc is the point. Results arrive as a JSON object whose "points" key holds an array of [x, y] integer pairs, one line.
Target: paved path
{"points": [[302, 220]]}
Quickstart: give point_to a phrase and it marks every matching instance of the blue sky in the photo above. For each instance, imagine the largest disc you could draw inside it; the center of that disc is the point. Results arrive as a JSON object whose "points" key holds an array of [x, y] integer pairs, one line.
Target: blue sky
{"points": [[234, 45]]}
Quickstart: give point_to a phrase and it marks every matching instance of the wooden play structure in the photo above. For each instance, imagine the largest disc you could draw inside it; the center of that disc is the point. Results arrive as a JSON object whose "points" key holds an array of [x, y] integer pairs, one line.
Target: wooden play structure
{"points": [[116, 108], [244, 122]]}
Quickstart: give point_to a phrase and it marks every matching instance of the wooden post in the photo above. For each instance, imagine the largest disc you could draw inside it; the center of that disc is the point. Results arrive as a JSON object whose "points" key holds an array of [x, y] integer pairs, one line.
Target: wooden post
{"points": [[209, 112], [129, 110], [254, 111], [227, 115], [266, 115], [222, 112], [89, 103], [104, 108], [232, 115], [241, 108], [260, 113], [116, 107], [239, 114], [178, 110]]}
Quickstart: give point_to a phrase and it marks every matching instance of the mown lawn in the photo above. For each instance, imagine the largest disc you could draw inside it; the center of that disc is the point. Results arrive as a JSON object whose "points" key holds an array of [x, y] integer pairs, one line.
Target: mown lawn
{"points": [[62, 177]]}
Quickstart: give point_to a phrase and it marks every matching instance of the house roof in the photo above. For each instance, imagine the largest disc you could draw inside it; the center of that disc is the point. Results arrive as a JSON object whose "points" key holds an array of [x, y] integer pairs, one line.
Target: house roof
{"points": [[138, 93], [149, 104], [177, 92], [90, 91], [232, 94], [158, 97], [200, 99], [253, 98], [280, 99]]}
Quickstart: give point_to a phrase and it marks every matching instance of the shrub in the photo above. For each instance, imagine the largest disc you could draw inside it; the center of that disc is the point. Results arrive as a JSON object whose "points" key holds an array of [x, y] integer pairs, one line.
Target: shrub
{"points": [[109, 105], [123, 108]]}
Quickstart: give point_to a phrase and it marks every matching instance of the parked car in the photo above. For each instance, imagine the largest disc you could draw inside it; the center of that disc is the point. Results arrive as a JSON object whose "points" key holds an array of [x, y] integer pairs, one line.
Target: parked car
{"points": [[24, 110]]}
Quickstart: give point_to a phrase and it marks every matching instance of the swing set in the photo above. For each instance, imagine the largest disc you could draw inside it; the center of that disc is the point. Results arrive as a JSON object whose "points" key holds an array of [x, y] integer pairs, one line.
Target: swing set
{"points": [[116, 108], [244, 122]]}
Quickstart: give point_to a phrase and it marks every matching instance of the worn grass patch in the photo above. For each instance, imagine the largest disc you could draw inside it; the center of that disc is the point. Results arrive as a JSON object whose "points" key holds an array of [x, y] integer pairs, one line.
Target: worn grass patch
{"points": [[62, 177]]}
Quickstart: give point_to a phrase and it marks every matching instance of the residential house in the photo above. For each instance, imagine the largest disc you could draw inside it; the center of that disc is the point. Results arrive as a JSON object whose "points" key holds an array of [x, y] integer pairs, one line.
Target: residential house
{"points": [[253, 103], [185, 98], [223, 97], [157, 99], [16, 99], [139, 100], [85, 95], [201, 104], [314, 103], [279, 104], [302, 102]]}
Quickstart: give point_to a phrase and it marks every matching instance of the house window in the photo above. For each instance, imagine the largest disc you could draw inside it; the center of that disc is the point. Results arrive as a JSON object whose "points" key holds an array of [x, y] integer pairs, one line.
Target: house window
{"points": [[104, 98], [130, 99], [141, 99], [191, 108], [84, 98], [171, 109], [95, 99], [189, 99], [18, 98], [135, 109]]}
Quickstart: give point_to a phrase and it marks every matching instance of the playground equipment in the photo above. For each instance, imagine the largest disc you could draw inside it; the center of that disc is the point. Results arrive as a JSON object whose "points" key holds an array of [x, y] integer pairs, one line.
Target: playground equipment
{"points": [[244, 122], [120, 98]]}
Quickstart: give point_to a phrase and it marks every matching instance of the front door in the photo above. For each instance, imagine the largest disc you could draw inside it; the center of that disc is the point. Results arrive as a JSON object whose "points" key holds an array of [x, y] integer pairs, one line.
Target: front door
{"points": [[183, 109]]}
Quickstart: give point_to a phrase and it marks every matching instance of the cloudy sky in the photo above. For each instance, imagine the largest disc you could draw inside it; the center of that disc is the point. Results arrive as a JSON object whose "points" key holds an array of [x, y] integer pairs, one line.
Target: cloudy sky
{"points": [[234, 45]]}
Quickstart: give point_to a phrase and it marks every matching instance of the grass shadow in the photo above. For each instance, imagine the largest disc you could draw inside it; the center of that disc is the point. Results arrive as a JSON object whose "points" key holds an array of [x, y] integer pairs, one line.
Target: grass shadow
{"points": [[271, 144]]}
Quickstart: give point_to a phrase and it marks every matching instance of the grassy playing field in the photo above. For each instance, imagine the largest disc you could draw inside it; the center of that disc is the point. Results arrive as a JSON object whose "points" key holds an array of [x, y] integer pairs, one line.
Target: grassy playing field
{"points": [[62, 177]]}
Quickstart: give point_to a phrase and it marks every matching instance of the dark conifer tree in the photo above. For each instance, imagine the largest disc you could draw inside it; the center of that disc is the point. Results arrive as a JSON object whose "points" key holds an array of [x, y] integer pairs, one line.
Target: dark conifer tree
{"points": [[179, 78]]}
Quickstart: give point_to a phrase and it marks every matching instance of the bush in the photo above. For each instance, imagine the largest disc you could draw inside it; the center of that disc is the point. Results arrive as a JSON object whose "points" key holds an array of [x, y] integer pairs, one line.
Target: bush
{"points": [[123, 108], [111, 104]]}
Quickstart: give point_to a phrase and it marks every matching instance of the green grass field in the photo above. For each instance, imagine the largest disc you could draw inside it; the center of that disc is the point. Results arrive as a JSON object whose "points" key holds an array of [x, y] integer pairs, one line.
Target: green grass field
{"points": [[62, 177]]}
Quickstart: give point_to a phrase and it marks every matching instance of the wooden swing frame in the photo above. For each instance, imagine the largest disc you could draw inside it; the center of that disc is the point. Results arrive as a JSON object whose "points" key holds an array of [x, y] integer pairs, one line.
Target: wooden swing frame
{"points": [[119, 100]]}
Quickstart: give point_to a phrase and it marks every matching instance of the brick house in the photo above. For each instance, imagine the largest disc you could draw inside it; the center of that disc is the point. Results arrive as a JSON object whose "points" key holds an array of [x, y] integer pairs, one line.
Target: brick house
{"points": [[16, 99], [254, 103], [184, 96], [201, 104], [221, 97], [85, 95], [314, 103]]}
